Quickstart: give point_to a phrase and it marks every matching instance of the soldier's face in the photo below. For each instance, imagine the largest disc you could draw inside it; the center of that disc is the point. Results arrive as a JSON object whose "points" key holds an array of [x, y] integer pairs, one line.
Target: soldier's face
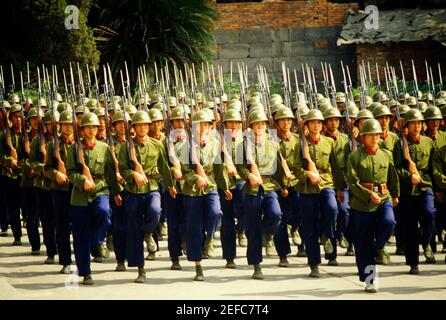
{"points": [[285, 124], [203, 128], [384, 121], [16, 119], [33, 123], [360, 122], [141, 129], [178, 124], [67, 129], [156, 126], [49, 128], [90, 132], [371, 141], [414, 128], [433, 125], [332, 124], [314, 126], [233, 125], [119, 126], [102, 123], [259, 128]]}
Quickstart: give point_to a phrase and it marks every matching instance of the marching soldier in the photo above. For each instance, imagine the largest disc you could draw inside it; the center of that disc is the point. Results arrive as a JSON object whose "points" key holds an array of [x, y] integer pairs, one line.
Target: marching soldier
{"points": [[61, 188], [417, 196], [374, 189], [90, 209], [143, 199]]}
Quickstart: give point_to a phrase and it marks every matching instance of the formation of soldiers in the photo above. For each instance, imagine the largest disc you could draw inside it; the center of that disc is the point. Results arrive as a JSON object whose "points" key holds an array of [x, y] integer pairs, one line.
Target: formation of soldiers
{"points": [[333, 170]]}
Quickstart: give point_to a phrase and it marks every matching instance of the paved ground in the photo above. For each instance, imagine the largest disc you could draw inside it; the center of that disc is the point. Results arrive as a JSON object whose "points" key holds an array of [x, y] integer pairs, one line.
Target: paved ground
{"points": [[23, 276]]}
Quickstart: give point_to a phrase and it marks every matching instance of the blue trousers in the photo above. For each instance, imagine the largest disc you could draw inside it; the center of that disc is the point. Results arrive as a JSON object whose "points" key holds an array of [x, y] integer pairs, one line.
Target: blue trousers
{"points": [[319, 214], [239, 212], [176, 220], [12, 193], [48, 219], [371, 232], [263, 216], [290, 209], [119, 228], [231, 210], [417, 209], [203, 213], [61, 204], [143, 213], [440, 216], [4, 219], [29, 210], [163, 216], [89, 225], [342, 222]]}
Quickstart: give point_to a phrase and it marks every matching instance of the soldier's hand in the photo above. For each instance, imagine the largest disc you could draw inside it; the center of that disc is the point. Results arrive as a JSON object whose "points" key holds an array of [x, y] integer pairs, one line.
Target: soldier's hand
{"points": [[120, 178], [118, 200], [284, 192], [253, 180], [340, 195], [61, 178], [177, 175], [375, 198], [395, 202], [201, 182], [228, 195], [231, 170], [173, 192], [140, 180], [89, 185], [313, 177], [415, 179], [14, 164]]}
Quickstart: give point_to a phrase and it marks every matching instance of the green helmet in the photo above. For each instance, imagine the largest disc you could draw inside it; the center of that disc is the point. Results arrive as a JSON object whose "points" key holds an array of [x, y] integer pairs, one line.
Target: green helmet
{"points": [[403, 96], [403, 109], [411, 101], [48, 115], [131, 110], [253, 100], [224, 97], [79, 109], [382, 95], [63, 106], [100, 112], [6, 104], [303, 110], [319, 96], [381, 110], [102, 97], [140, 117], [235, 107], [119, 116], [325, 106], [357, 98], [413, 115], [66, 117], [433, 113], [32, 113], [232, 115], [178, 114], [276, 107], [92, 104], [323, 101], [156, 98], [340, 99], [159, 105], [352, 111], [199, 97], [276, 96], [209, 105], [110, 107], [258, 116], [332, 113], [314, 114], [422, 106], [15, 108], [284, 113], [42, 102], [373, 106], [276, 100], [340, 94], [155, 115], [351, 103], [172, 101], [13, 98], [371, 126], [427, 97], [393, 103], [363, 114], [201, 116], [185, 106], [440, 102], [142, 101], [368, 101], [256, 109], [90, 119], [441, 94], [210, 112]]}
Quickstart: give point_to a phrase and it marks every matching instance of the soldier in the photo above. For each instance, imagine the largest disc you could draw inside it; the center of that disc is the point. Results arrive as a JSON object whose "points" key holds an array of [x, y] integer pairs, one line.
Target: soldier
{"points": [[90, 209], [288, 195], [262, 209], [102, 130], [201, 200], [374, 189], [143, 199], [417, 196], [61, 188], [232, 209], [9, 144], [42, 185], [439, 176], [317, 191], [341, 144], [388, 138]]}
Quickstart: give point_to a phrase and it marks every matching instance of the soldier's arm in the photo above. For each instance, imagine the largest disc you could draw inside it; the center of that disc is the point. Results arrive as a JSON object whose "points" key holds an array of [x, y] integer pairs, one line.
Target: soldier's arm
{"points": [[125, 169], [36, 165], [110, 173], [164, 167], [338, 176], [75, 177], [438, 172], [298, 168], [5, 158], [393, 182], [353, 181], [49, 163], [403, 174], [242, 168], [220, 172]]}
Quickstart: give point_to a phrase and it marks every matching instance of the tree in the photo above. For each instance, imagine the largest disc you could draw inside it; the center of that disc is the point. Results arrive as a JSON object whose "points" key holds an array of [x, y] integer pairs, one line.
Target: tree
{"points": [[141, 32]]}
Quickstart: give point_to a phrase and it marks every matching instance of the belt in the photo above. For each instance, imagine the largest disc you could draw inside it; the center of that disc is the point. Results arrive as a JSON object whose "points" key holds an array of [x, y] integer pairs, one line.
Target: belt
{"points": [[97, 177], [265, 176], [322, 171], [379, 188]]}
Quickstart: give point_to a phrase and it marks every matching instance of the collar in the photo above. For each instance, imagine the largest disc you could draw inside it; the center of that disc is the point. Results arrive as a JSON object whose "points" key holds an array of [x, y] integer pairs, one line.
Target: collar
{"points": [[142, 143], [70, 140], [315, 141], [417, 140], [384, 136], [361, 139], [432, 135], [202, 143], [157, 137], [334, 136], [286, 138], [89, 147], [371, 151]]}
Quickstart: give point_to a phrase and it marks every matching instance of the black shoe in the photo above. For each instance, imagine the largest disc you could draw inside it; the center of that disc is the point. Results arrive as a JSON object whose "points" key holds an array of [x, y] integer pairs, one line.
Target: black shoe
{"points": [[414, 270], [350, 252], [141, 277], [258, 274], [301, 253], [199, 276], [399, 251], [88, 281], [49, 260], [175, 264], [17, 242], [230, 264], [284, 262], [314, 272], [333, 262]]}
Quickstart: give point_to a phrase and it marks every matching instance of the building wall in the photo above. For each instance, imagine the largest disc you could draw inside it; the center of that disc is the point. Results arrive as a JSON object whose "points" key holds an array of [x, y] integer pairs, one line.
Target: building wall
{"points": [[268, 33]]}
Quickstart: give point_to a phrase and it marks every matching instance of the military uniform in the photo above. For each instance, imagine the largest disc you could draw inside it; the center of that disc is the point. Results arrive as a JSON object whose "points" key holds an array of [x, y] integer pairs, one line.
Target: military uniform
{"points": [[90, 211], [371, 171], [439, 177], [417, 201]]}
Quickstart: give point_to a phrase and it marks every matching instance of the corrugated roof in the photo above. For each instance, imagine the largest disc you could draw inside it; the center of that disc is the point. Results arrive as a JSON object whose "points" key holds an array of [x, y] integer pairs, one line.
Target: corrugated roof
{"points": [[407, 25]]}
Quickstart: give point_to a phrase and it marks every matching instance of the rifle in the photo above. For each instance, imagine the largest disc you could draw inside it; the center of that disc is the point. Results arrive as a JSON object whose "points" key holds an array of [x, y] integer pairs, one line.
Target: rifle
{"points": [[332, 88], [22, 116], [415, 82], [441, 78], [378, 82], [404, 82], [353, 146], [40, 132], [78, 147], [7, 130]]}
